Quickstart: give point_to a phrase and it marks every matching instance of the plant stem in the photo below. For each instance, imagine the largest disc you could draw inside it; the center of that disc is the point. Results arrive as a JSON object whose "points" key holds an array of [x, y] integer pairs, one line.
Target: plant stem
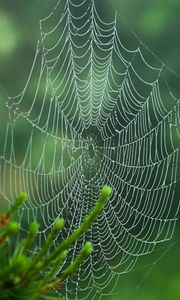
{"points": [[105, 193]]}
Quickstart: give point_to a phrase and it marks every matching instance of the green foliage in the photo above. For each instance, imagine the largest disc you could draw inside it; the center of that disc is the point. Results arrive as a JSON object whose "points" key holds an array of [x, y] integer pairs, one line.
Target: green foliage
{"points": [[24, 275]]}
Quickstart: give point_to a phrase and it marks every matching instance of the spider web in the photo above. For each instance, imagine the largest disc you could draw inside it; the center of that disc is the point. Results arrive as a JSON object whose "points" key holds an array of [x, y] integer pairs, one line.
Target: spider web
{"points": [[93, 112]]}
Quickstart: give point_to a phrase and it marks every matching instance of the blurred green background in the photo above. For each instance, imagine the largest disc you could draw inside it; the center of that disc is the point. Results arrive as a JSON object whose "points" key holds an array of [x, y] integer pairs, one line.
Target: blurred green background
{"points": [[157, 24]]}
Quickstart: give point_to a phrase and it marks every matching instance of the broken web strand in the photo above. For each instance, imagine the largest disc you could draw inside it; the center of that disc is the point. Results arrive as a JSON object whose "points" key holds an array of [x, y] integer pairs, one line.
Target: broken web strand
{"points": [[101, 119]]}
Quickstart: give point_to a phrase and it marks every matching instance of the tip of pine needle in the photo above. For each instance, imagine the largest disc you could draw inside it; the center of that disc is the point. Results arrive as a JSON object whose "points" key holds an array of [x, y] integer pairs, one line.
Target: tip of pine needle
{"points": [[106, 191], [88, 248]]}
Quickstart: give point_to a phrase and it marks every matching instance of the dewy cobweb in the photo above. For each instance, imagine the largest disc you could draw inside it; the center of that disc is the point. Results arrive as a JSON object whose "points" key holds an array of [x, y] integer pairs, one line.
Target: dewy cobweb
{"points": [[93, 112]]}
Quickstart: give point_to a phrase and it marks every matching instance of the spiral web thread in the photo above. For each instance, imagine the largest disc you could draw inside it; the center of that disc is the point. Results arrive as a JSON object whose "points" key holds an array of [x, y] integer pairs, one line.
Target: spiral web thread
{"points": [[94, 112]]}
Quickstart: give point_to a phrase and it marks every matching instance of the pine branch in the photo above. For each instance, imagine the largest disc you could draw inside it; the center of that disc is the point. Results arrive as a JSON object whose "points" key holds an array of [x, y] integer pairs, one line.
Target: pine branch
{"points": [[24, 276]]}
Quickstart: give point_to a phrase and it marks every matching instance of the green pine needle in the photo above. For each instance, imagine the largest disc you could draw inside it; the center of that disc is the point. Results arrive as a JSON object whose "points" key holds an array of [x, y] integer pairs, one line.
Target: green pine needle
{"points": [[25, 275]]}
